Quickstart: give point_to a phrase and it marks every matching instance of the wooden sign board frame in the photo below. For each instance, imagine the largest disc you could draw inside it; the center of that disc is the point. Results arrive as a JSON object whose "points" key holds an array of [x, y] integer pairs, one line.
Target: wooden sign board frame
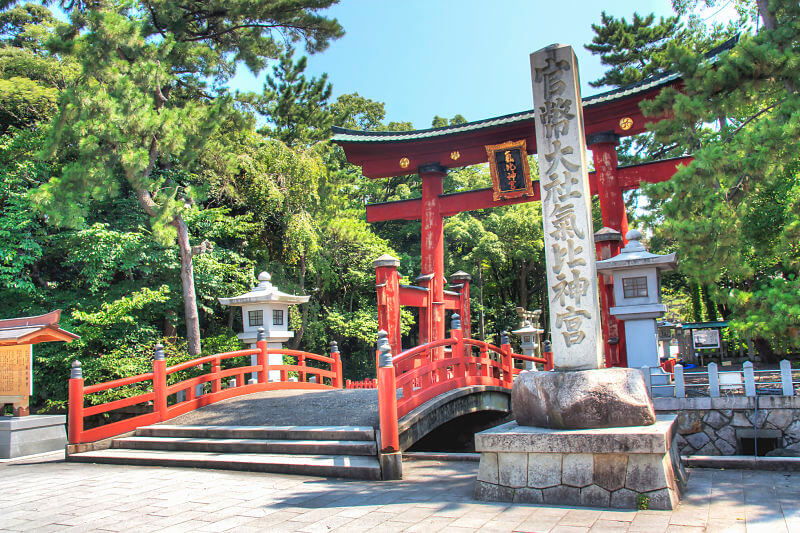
{"points": [[499, 174]]}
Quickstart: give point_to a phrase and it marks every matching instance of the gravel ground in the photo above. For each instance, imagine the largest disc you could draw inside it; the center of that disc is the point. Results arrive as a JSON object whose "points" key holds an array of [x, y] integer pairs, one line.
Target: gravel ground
{"points": [[290, 408]]}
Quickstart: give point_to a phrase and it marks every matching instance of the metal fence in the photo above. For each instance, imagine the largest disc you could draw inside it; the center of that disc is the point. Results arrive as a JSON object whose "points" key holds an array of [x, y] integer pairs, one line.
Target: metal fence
{"points": [[713, 383]]}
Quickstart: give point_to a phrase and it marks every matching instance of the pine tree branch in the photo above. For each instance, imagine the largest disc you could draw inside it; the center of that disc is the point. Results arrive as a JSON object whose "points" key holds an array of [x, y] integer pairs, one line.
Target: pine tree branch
{"points": [[752, 118]]}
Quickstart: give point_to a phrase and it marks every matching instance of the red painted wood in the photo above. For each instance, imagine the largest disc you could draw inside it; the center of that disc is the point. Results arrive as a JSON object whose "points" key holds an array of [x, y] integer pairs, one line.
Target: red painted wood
{"points": [[631, 177], [432, 248], [115, 428], [117, 404], [75, 410], [413, 297], [117, 383], [387, 283], [382, 160], [387, 409]]}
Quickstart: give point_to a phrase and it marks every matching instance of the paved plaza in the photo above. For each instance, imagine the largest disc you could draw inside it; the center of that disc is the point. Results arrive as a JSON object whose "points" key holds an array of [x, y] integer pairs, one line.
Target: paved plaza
{"points": [[48, 494]]}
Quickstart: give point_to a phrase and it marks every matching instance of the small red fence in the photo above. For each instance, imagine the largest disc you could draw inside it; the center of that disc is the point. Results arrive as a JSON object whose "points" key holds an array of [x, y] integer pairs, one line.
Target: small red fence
{"points": [[169, 401], [417, 375], [363, 384]]}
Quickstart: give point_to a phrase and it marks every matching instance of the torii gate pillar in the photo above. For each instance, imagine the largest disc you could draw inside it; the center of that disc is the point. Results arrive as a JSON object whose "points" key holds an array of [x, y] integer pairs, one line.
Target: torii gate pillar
{"points": [[609, 240], [432, 177]]}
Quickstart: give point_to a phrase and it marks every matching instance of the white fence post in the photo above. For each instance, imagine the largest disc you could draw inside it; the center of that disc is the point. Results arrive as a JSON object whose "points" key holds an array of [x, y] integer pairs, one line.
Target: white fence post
{"points": [[232, 383], [786, 378], [749, 379], [713, 380], [680, 386]]}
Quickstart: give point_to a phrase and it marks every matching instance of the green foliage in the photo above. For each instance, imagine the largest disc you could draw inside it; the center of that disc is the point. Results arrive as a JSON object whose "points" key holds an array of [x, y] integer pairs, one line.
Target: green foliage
{"points": [[732, 213], [635, 50], [296, 106]]}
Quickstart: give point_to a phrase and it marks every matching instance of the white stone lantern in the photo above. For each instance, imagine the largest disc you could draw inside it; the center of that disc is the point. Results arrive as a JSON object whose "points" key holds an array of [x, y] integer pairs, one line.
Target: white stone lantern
{"points": [[637, 293], [266, 307], [529, 344]]}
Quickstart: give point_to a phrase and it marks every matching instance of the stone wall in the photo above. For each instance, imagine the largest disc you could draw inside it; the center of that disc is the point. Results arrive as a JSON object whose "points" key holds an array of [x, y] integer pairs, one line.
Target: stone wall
{"points": [[716, 426]]}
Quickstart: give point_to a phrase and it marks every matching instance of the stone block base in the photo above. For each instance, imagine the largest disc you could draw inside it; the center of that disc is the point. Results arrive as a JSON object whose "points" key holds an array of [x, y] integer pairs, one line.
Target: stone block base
{"points": [[609, 467], [29, 435]]}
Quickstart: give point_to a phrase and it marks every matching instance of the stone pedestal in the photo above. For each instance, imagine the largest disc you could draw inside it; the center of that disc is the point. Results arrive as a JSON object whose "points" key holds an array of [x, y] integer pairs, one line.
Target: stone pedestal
{"points": [[607, 467], [29, 435]]}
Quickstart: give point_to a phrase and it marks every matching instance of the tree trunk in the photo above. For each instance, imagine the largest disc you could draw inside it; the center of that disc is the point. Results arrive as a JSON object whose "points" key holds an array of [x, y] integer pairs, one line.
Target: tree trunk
{"points": [[522, 285], [293, 345], [187, 283], [765, 351], [770, 21]]}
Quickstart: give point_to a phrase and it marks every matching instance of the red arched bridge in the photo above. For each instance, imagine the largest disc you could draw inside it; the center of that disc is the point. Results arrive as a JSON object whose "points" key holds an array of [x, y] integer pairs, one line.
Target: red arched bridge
{"points": [[207, 413]]}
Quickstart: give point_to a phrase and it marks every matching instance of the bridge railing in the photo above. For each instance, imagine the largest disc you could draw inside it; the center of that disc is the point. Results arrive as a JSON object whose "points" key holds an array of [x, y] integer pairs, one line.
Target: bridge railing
{"points": [[168, 401], [419, 374]]}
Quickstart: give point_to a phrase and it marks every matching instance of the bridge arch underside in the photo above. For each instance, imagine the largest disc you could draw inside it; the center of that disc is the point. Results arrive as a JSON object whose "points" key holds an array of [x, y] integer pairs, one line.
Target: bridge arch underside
{"points": [[449, 406]]}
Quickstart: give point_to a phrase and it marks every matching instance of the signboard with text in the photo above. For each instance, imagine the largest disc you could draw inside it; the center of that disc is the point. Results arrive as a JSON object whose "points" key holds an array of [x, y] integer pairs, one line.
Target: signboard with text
{"points": [[508, 165], [15, 370], [705, 339]]}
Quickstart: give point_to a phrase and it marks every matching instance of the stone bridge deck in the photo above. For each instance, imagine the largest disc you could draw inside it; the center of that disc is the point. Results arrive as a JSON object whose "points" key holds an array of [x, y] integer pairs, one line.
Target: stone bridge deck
{"points": [[357, 407]]}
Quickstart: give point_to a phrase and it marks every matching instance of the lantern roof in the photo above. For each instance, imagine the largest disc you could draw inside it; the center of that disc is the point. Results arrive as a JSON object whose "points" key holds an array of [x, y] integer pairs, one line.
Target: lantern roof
{"points": [[264, 292], [635, 255]]}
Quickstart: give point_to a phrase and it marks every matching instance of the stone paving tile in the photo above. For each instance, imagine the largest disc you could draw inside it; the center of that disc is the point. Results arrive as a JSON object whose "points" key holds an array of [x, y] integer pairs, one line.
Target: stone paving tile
{"points": [[569, 529], [580, 517], [40, 496], [610, 526]]}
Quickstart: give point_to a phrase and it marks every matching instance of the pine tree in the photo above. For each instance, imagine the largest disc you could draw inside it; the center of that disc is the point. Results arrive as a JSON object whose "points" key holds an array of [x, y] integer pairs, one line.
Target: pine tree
{"points": [[150, 93], [734, 213], [633, 51], [296, 106]]}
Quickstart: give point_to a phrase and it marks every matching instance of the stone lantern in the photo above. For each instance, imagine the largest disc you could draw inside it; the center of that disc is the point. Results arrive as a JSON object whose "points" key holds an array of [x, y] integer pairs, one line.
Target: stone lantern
{"points": [[529, 334], [637, 293], [268, 308]]}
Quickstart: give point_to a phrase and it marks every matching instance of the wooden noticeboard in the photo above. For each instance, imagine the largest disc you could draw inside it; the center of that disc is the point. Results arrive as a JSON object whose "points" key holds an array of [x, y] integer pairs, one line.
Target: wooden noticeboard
{"points": [[15, 370], [508, 165]]}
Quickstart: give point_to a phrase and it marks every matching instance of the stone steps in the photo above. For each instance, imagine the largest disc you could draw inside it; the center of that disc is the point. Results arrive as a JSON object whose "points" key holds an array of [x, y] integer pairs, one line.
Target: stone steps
{"points": [[269, 446], [329, 451]]}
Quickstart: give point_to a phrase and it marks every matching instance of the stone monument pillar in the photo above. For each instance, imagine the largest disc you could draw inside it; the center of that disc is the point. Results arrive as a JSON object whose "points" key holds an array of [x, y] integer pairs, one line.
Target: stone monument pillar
{"points": [[566, 210]]}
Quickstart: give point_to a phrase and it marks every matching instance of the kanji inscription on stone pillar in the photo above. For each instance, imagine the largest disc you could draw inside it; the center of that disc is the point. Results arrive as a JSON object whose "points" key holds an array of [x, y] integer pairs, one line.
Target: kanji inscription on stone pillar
{"points": [[566, 210]]}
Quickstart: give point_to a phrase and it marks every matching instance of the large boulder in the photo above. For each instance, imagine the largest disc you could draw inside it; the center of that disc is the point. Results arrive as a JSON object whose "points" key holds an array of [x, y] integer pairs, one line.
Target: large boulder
{"points": [[603, 398]]}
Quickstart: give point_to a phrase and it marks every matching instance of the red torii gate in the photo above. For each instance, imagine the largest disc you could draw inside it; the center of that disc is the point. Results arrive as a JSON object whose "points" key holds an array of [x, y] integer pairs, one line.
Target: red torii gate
{"points": [[607, 117]]}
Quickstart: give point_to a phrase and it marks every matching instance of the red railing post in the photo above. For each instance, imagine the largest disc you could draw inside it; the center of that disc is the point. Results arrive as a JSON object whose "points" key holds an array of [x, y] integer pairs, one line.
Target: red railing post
{"points": [[337, 365], [301, 374], [261, 357], [484, 359], [506, 364], [387, 284], [75, 413], [387, 402], [216, 380], [160, 383], [547, 353]]}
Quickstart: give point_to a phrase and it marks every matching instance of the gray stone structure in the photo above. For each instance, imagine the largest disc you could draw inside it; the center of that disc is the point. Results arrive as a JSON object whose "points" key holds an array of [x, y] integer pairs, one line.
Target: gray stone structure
{"points": [[30, 435], [718, 426], [610, 467]]}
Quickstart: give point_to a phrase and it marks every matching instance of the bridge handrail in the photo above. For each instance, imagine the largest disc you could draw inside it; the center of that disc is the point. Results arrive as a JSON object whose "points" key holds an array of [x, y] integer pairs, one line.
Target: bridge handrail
{"points": [[210, 359], [407, 354], [496, 349], [426, 371], [186, 397]]}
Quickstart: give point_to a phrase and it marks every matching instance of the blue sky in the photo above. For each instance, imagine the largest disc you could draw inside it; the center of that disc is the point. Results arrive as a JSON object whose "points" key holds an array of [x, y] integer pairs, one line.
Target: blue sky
{"points": [[443, 57]]}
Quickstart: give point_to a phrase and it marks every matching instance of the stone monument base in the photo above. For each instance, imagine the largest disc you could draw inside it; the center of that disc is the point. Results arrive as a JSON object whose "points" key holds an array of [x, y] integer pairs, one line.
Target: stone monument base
{"points": [[29, 435], [626, 468]]}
